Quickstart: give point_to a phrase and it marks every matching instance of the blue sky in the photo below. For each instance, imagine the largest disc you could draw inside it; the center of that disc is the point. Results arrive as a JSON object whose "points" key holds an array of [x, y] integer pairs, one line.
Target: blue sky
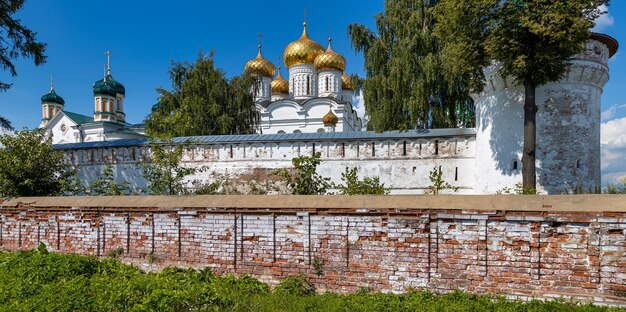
{"points": [[144, 36]]}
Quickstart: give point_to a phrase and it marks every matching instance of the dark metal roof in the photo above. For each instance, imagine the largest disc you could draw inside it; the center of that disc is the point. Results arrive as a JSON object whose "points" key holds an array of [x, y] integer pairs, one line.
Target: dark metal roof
{"points": [[284, 137]]}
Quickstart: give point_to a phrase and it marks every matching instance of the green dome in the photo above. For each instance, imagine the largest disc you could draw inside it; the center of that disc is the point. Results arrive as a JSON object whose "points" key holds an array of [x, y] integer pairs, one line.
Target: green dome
{"points": [[109, 86], [52, 97]]}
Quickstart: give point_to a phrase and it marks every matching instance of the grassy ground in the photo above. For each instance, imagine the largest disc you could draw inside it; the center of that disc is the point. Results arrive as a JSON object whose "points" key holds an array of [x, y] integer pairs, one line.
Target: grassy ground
{"points": [[42, 281]]}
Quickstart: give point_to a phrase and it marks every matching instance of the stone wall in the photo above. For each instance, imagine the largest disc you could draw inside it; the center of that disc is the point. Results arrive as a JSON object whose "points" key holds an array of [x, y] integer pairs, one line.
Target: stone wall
{"points": [[570, 247], [402, 164]]}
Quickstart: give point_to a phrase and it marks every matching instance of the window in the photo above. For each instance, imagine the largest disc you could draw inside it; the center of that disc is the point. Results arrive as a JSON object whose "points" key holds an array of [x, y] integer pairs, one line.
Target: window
{"points": [[308, 85]]}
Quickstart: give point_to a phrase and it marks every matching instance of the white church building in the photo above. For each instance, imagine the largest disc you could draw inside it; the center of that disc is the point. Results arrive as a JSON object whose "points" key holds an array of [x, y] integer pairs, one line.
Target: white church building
{"points": [[311, 112]]}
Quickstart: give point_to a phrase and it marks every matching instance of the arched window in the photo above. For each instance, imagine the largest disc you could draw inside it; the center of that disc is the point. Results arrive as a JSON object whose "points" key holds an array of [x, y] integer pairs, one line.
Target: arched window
{"points": [[308, 85]]}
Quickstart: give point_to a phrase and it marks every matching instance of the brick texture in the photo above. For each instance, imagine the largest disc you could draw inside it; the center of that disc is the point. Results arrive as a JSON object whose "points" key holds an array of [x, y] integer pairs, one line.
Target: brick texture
{"points": [[577, 255]]}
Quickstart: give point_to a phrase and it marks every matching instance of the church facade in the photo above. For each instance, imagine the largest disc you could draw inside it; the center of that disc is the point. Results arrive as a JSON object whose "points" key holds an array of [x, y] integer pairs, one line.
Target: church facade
{"points": [[315, 97]]}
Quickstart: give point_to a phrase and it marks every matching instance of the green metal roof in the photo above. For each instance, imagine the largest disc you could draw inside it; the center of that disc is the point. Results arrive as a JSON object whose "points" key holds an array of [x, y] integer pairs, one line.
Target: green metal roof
{"points": [[108, 86], [78, 118], [52, 97]]}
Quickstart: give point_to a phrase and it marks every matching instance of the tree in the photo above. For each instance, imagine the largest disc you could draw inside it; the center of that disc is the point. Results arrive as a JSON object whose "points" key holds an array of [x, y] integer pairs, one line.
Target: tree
{"points": [[203, 102], [165, 174], [105, 184], [305, 180], [354, 186], [29, 166], [438, 184], [403, 87], [5, 124], [16, 41], [531, 40]]}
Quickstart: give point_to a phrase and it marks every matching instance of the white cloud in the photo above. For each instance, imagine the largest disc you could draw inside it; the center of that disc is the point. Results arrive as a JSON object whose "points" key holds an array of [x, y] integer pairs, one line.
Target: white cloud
{"points": [[610, 112], [604, 21], [359, 107], [613, 149]]}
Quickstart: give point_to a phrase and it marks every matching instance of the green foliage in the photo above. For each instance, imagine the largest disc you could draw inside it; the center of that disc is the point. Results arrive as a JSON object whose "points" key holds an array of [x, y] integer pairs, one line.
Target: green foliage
{"points": [[438, 184], [38, 281], [618, 188], [105, 184], [29, 166], [295, 286], [165, 174], [404, 88], [354, 186], [16, 40], [519, 189], [5, 124], [203, 102], [305, 180]]}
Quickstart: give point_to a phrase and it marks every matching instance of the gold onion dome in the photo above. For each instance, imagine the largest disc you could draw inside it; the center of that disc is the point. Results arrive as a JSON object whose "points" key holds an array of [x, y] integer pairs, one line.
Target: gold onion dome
{"points": [[279, 84], [330, 59], [346, 82], [330, 119], [302, 51], [260, 66]]}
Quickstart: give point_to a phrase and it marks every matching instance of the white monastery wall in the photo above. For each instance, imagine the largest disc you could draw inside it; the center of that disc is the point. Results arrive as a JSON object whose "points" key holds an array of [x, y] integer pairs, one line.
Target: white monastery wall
{"points": [[401, 164]]}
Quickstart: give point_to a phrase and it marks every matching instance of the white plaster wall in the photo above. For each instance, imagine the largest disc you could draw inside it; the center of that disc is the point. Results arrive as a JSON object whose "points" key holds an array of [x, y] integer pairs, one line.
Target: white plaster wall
{"points": [[568, 128], [404, 170], [59, 136], [298, 75], [288, 116], [334, 83]]}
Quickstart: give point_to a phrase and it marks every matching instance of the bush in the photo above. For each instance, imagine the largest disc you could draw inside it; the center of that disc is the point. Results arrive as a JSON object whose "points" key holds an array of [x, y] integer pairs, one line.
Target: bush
{"points": [[41, 281]]}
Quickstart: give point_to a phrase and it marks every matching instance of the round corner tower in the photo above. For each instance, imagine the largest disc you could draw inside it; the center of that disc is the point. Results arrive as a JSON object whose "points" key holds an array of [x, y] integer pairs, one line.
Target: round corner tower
{"points": [[568, 126]]}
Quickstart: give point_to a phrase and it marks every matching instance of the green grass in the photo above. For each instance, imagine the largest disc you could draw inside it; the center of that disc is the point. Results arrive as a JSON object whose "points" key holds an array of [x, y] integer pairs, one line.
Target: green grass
{"points": [[42, 281]]}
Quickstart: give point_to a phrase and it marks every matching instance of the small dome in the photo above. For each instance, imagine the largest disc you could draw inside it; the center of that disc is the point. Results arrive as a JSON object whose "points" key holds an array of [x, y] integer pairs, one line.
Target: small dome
{"points": [[330, 59], [279, 84], [108, 86], [346, 82], [330, 119], [302, 51], [52, 97], [260, 66]]}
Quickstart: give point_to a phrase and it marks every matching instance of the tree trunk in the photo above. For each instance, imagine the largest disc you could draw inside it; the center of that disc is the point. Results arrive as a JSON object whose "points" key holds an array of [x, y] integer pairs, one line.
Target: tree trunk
{"points": [[529, 177]]}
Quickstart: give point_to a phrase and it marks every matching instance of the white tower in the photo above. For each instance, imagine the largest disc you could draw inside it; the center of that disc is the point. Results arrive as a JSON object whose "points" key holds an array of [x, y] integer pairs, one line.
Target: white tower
{"points": [[330, 65], [51, 104], [568, 126]]}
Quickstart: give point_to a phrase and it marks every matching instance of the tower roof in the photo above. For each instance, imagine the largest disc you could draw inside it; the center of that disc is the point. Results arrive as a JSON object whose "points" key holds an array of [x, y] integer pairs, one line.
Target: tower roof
{"points": [[302, 51], [330, 59], [109, 86], [260, 66], [52, 97]]}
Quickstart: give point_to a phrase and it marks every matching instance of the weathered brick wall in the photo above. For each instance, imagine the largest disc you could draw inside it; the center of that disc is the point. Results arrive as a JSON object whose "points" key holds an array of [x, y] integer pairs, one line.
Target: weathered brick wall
{"points": [[572, 247]]}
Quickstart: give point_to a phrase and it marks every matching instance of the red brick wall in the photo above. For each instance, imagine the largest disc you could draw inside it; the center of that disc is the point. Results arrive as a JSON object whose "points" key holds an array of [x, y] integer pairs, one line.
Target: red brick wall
{"points": [[519, 253]]}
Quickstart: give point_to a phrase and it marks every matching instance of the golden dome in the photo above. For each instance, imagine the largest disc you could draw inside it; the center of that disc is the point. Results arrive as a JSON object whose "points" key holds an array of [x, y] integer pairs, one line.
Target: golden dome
{"points": [[346, 82], [302, 51], [260, 66], [330, 59], [330, 119], [280, 85]]}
